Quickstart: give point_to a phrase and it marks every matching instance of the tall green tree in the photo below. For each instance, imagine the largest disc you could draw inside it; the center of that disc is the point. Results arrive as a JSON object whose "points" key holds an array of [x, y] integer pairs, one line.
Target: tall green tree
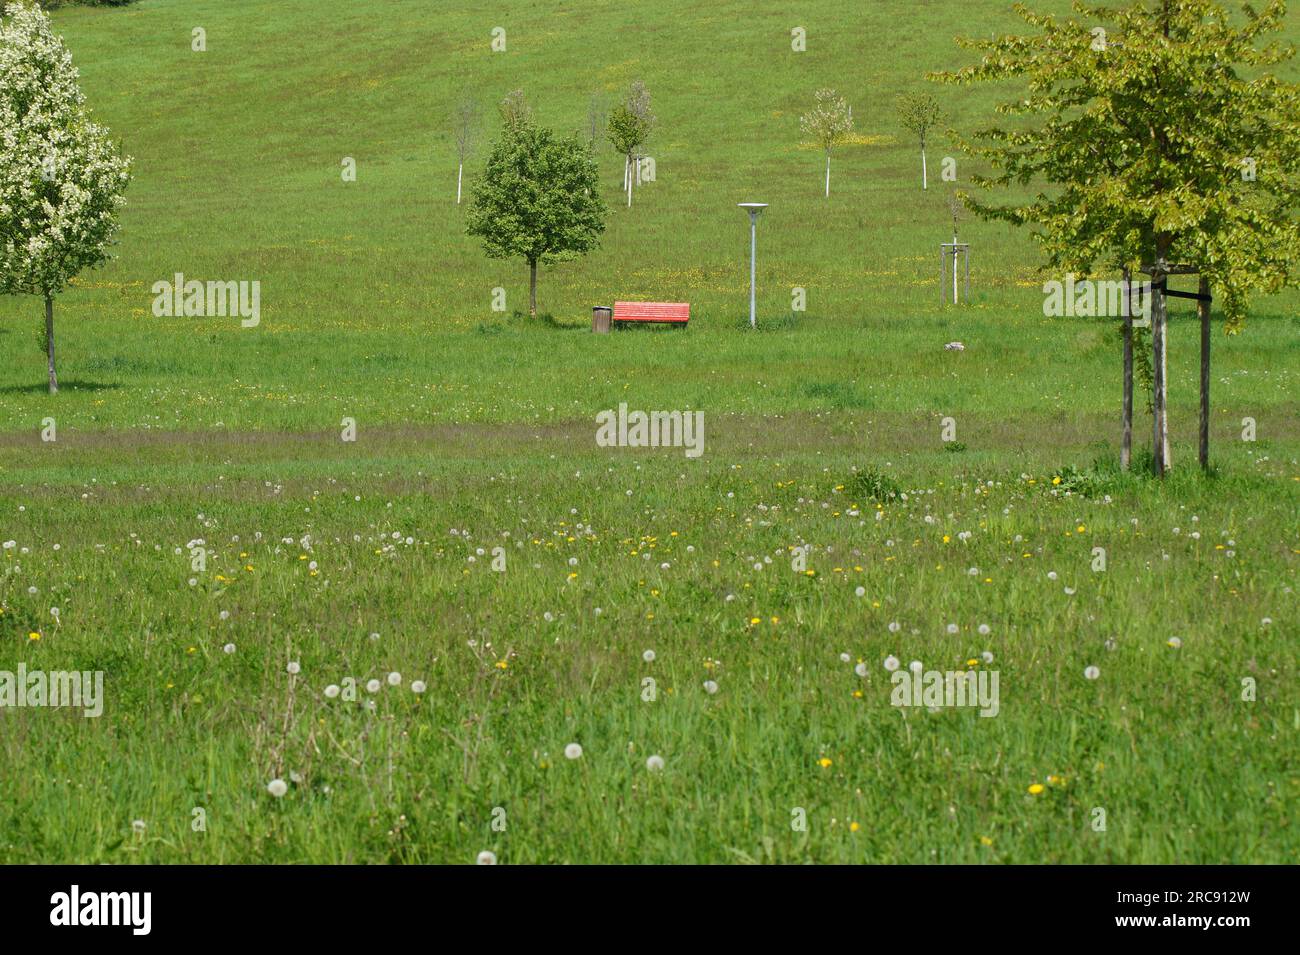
{"points": [[538, 197], [61, 177], [1155, 135]]}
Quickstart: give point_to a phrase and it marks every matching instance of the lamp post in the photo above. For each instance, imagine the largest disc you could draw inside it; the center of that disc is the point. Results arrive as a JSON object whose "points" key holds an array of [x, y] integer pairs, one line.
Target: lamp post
{"points": [[753, 208]]}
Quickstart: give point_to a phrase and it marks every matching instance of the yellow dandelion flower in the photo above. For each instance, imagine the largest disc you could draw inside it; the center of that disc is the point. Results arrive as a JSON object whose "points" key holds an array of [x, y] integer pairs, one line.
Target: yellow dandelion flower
{"points": [[824, 763], [1035, 789]]}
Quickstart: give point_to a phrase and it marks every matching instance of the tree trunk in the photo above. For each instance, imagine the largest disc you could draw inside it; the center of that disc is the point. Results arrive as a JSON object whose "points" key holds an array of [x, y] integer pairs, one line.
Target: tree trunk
{"points": [[1126, 446], [532, 287], [459, 175], [828, 175], [1203, 307], [925, 184], [1160, 423], [1159, 311], [49, 343]]}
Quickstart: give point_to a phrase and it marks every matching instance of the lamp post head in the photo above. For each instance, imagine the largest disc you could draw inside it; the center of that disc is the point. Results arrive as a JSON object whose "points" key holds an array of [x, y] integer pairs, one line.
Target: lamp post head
{"points": [[753, 208]]}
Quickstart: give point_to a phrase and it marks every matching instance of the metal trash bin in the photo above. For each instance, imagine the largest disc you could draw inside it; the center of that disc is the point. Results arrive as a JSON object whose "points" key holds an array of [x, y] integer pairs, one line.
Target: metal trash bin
{"points": [[600, 318]]}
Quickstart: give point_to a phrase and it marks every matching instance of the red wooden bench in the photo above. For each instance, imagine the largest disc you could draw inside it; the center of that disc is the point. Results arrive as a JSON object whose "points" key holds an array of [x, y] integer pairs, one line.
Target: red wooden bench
{"points": [[664, 313]]}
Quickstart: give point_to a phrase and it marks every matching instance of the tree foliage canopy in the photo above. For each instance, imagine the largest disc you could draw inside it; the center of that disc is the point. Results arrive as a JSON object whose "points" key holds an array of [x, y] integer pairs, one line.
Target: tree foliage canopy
{"points": [[1142, 119], [538, 196], [61, 177], [919, 113], [829, 122], [632, 120]]}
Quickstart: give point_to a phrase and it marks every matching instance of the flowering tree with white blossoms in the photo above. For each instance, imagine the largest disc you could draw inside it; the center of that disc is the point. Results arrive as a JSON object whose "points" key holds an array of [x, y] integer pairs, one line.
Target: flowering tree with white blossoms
{"points": [[61, 177], [828, 125]]}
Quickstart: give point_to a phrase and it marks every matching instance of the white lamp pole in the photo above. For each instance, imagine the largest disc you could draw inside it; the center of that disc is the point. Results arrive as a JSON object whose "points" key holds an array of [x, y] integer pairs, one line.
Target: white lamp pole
{"points": [[753, 208]]}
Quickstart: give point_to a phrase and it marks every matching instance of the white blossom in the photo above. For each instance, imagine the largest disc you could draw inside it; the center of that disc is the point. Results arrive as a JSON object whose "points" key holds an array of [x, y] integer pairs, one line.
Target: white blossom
{"points": [[61, 177]]}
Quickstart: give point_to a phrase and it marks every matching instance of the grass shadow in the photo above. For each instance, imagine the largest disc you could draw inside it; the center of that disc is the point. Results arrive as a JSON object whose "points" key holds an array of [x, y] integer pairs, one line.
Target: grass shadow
{"points": [[522, 321], [74, 384], [646, 328]]}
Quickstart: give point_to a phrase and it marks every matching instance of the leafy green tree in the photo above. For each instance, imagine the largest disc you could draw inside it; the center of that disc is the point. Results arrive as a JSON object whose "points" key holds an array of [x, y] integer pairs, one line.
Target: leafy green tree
{"points": [[538, 197], [61, 178], [1154, 135], [630, 124], [919, 113], [827, 124]]}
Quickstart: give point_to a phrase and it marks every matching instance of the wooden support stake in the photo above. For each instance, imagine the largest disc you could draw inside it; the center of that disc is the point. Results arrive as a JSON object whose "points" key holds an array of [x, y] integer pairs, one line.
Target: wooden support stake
{"points": [[1126, 447], [1160, 422], [943, 275], [1203, 309]]}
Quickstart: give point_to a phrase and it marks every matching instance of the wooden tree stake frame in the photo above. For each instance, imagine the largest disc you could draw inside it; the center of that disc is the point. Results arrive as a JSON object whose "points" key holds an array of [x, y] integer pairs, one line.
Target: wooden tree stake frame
{"points": [[1160, 273]]}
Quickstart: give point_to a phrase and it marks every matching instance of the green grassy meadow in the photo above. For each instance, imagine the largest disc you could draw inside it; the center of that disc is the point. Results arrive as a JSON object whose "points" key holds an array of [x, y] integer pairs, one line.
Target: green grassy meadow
{"points": [[475, 431]]}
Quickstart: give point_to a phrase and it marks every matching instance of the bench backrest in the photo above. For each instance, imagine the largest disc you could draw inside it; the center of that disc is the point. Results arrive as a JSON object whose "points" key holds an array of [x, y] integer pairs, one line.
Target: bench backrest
{"points": [[652, 311]]}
